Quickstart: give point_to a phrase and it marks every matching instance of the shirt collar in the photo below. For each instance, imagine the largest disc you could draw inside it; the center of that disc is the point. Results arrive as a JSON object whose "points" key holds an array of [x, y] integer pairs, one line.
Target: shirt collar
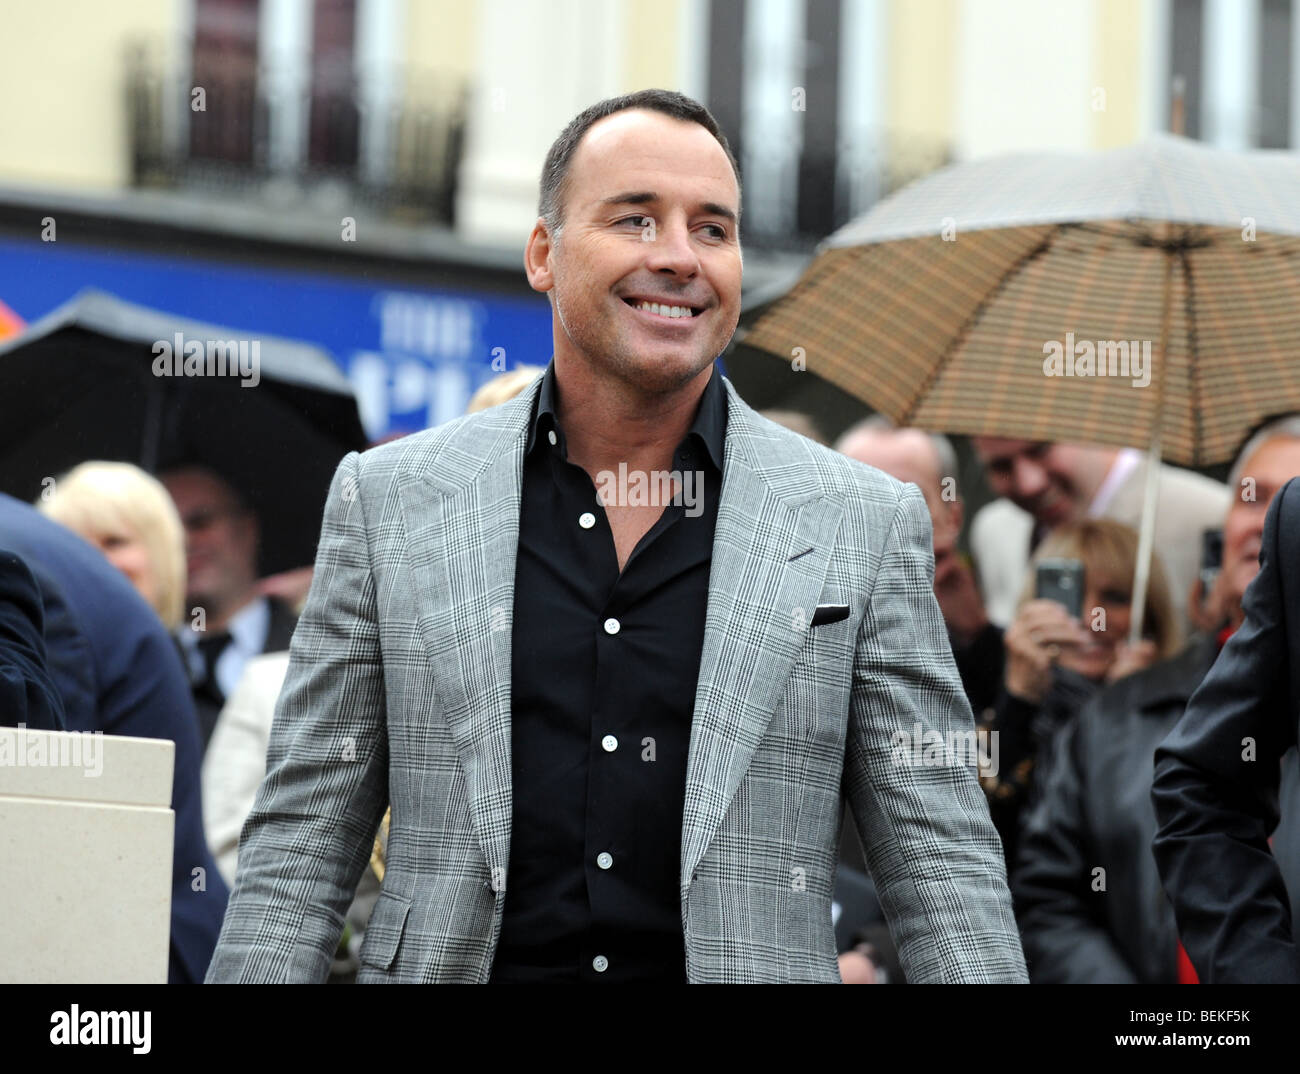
{"points": [[249, 626], [709, 427], [248, 629], [1125, 463]]}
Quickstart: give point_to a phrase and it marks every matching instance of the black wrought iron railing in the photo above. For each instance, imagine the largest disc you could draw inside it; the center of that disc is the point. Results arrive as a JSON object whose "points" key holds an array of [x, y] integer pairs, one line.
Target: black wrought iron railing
{"points": [[222, 124]]}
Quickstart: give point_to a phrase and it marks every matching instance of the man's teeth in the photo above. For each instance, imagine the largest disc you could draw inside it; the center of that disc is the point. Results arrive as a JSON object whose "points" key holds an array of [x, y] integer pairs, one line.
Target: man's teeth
{"points": [[665, 311]]}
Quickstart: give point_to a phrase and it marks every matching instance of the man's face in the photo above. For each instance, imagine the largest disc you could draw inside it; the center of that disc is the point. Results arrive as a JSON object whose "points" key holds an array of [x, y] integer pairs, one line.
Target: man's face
{"points": [[910, 455], [1045, 479], [1269, 468], [220, 538], [650, 216]]}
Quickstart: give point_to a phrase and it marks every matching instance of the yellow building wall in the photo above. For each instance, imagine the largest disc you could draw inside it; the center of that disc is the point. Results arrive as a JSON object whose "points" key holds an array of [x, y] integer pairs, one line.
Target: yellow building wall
{"points": [[920, 84], [651, 56], [1118, 62], [441, 38], [63, 118]]}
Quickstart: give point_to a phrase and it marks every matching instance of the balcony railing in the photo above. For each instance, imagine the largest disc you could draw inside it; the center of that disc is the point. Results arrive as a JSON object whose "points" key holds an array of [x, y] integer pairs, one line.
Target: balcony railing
{"points": [[231, 127]]}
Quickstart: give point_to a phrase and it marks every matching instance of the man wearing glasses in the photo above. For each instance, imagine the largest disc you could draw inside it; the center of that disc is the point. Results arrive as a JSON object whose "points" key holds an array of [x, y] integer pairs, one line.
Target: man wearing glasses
{"points": [[237, 622]]}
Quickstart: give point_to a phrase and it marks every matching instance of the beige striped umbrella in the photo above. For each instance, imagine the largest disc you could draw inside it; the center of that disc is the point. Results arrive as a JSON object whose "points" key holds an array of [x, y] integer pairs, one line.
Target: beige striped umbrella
{"points": [[1146, 296]]}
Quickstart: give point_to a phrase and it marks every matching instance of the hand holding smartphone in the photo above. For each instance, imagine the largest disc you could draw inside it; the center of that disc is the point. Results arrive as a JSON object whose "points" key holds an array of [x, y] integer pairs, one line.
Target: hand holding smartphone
{"points": [[1061, 580]]}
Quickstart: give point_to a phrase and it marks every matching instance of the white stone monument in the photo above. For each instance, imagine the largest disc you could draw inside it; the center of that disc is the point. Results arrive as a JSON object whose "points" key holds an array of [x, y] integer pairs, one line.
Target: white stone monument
{"points": [[86, 835]]}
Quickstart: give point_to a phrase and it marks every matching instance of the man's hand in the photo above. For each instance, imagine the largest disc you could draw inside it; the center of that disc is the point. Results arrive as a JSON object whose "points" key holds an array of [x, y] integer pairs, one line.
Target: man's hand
{"points": [[290, 586], [857, 967], [1209, 612], [1034, 640]]}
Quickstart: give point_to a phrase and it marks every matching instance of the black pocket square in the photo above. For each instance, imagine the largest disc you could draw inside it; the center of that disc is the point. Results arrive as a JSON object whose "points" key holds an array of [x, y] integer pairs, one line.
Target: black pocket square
{"points": [[830, 613]]}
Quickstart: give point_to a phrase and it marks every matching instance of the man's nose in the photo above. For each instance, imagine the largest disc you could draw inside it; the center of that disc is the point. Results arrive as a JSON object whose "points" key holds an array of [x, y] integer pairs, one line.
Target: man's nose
{"points": [[1030, 478], [671, 251]]}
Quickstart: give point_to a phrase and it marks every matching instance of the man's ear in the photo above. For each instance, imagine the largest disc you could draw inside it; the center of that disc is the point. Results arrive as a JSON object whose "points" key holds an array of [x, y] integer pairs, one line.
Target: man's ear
{"points": [[537, 258]]}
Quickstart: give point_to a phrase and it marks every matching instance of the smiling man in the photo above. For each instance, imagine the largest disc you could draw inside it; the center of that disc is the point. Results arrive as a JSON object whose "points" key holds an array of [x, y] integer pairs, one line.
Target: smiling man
{"points": [[1043, 485], [616, 733]]}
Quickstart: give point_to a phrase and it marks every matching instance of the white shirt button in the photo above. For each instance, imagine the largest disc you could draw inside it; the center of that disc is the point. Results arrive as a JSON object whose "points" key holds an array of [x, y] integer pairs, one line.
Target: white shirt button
{"points": [[552, 438], [600, 963], [609, 743], [586, 520], [612, 626], [604, 860]]}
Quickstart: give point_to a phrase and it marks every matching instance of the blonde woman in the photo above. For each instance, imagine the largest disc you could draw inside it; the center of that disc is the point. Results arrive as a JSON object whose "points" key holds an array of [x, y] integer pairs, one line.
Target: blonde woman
{"points": [[1055, 662], [129, 517], [1040, 636], [503, 387]]}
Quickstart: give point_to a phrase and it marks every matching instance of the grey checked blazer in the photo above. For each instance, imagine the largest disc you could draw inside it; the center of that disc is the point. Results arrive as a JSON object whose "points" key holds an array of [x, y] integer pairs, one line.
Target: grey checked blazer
{"points": [[399, 691]]}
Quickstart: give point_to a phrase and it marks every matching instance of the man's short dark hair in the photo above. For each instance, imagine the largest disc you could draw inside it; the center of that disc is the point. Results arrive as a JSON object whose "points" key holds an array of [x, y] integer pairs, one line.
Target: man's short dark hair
{"points": [[555, 171]]}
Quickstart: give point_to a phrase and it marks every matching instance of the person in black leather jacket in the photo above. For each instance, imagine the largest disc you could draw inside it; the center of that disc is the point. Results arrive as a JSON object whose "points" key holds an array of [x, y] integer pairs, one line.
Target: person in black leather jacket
{"points": [[1216, 790], [1087, 891], [1055, 663]]}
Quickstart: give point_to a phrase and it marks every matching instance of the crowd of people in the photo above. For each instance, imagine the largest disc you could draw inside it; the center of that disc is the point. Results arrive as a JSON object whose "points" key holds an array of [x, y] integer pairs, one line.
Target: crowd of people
{"points": [[1072, 710], [1079, 711], [348, 741]]}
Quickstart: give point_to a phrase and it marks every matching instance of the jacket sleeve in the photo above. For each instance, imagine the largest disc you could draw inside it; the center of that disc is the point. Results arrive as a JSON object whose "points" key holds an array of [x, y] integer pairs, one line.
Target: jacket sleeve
{"points": [[1061, 921], [28, 694], [926, 834], [309, 836], [1216, 787]]}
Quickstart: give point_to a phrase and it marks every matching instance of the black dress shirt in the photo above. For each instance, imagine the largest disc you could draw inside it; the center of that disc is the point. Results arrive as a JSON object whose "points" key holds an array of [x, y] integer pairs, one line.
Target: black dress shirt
{"points": [[604, 669]]}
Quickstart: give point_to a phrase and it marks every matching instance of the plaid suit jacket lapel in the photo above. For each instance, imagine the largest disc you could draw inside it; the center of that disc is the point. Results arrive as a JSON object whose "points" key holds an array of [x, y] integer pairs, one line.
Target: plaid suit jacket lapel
{"points": [[462, 518], [771, 551]]}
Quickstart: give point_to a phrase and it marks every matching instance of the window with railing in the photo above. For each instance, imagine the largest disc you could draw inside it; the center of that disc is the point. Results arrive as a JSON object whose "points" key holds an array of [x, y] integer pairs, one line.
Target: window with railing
{"points": [[786, 81], [256, 100]]}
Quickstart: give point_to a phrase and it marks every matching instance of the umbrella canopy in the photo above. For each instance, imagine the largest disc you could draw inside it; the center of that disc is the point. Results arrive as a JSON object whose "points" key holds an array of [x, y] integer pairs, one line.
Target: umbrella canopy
{"points": [[89, 381], [1144, 296], [945, 305]]}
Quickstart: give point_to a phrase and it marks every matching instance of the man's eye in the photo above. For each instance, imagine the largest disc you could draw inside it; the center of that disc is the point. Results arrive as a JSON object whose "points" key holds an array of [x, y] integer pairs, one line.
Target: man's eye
{"points": [[638, 221], [719, 232]]}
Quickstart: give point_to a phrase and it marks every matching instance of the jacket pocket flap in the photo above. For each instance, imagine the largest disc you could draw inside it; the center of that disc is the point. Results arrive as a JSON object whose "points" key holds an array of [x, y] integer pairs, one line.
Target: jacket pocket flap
{"points": [[384, 930]]}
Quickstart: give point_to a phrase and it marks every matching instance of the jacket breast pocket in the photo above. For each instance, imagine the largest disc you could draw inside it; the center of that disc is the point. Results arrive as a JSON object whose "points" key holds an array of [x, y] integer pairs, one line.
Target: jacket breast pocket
{"points": [[384, 930], [814, 705]]}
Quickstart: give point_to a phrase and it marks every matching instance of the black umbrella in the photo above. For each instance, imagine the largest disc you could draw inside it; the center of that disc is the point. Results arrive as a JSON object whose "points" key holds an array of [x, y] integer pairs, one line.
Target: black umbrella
{"points": [[100, 378]]}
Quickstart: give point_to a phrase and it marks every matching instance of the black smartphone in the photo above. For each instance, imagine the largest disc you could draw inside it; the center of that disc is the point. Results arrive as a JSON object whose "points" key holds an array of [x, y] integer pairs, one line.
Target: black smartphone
{"points": [[1061, 580], [1211, 559]]}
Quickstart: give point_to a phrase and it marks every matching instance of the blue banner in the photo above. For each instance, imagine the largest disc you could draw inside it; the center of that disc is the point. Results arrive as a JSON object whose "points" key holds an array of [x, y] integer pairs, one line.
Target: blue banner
{"points": [[413, 354]]}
